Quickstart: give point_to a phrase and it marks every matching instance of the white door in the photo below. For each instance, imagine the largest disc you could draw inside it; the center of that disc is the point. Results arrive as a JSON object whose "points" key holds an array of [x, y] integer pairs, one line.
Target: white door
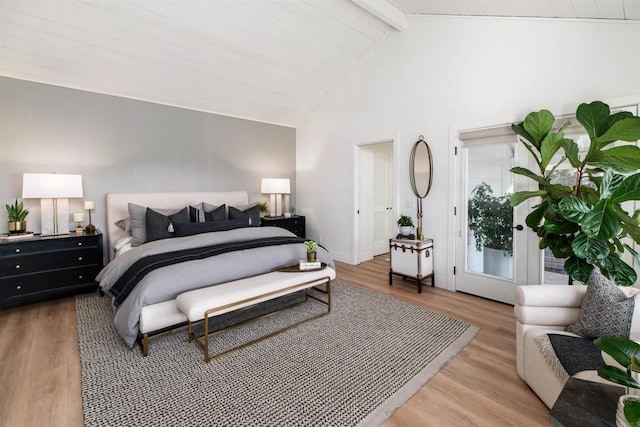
{"points": [[374, 199], [382, 208], [365, 203], [491, 237]]}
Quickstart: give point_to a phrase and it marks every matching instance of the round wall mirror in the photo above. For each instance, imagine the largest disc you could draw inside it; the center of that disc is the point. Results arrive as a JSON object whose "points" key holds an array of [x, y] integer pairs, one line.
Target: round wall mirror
{"points": [[421, 168]]}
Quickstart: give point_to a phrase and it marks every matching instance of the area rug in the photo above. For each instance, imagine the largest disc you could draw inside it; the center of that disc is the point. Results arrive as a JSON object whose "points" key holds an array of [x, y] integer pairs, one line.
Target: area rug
{"points": [[354, 366]]}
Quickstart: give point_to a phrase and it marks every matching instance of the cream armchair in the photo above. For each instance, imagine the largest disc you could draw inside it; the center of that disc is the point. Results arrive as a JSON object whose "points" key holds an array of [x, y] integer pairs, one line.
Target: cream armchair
{"points": [[541, 309]]}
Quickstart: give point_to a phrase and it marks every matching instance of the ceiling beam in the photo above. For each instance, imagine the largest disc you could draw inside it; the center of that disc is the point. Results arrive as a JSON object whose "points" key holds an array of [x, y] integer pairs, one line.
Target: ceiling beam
{"points": [[385, 11]]}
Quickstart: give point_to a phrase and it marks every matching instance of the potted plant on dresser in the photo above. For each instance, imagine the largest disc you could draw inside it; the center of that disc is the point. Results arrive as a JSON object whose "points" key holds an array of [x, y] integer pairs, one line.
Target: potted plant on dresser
{"points": [[406, 224], [17, 217]]}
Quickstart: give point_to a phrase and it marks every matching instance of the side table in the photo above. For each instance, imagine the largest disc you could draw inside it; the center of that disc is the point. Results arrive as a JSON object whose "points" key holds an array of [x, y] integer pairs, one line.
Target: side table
{"points": [[586, 403], [411, 259]]}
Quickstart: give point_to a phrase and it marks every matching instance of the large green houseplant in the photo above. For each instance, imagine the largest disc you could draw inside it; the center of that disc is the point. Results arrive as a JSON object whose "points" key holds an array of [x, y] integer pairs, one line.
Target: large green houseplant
{"points": [[490, 219], [584, 221]]}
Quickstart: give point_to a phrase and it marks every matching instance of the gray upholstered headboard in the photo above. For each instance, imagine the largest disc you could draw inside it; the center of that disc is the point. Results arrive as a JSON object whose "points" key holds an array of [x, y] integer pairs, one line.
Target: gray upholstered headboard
{"points": [[117, 205]]}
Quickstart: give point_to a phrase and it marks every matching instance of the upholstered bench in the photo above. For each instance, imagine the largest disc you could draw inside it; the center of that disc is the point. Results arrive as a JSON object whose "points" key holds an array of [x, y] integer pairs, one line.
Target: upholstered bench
{"points": [[202, 304]]}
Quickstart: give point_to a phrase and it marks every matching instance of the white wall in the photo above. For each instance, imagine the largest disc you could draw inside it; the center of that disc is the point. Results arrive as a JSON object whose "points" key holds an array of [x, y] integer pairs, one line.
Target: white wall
{"points": [[442, 75]]}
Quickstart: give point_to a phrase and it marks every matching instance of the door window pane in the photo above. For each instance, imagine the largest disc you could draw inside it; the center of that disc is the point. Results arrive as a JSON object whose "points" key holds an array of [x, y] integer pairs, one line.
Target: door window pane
{"points": [[489, 248]]}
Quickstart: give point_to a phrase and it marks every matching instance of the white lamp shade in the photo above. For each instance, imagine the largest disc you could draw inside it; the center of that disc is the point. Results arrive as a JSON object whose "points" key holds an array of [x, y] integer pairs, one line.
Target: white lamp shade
{"points": [[78, 217], [51, 186], [88, 205], [275, 186]]}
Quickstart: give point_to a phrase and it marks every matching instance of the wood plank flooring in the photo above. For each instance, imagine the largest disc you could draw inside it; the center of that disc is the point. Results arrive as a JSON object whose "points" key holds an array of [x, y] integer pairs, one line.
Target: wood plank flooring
{"points": [[40, 366]]}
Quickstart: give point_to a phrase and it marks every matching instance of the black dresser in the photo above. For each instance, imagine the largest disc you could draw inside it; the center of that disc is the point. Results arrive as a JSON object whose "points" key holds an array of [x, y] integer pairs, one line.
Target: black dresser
{"points": [[295, 224], [40, 268]]}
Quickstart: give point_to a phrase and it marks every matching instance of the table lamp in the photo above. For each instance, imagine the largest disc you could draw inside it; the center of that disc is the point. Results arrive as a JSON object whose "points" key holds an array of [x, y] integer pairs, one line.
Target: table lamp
{"points": [[54, 191], [275, 187]]}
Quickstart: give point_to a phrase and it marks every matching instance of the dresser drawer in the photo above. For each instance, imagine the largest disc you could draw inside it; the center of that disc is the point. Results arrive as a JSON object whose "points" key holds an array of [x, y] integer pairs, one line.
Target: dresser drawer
{"points": [[30, 263], [48, 245], [38, 282]]}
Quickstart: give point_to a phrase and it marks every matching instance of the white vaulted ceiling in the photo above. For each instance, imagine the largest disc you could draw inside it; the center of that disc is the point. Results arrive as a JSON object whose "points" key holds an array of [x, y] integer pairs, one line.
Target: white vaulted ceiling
{"points": [[265, 60], [583, 9]]}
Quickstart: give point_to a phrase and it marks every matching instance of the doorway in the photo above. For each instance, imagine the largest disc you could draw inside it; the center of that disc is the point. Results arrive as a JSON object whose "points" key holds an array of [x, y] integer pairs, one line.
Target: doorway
{"points": [[374, 199]]}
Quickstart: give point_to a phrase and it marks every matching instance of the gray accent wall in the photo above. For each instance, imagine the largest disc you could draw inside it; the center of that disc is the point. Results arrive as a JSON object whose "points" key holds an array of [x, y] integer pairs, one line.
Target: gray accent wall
{"points": [[124, 145]]}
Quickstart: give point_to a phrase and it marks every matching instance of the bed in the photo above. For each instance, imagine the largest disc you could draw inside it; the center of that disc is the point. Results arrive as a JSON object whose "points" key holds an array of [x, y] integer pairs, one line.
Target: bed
{"points": [[144, 276]]}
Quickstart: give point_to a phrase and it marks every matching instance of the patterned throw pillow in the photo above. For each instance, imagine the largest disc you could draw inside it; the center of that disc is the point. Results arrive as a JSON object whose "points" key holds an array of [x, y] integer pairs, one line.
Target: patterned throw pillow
{"points": [[606, 311]]}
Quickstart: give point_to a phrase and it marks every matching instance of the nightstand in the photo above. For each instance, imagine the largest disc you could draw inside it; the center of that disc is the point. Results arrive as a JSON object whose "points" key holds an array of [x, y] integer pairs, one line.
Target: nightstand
{"points": [[40, 268], [295, 224], [411, 259]]}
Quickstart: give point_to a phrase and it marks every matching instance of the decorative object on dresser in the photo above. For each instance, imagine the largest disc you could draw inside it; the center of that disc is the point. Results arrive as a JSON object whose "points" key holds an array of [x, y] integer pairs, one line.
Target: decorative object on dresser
{"points": [[39, 268], [421, 175], [54, 191], [295, 224], [89, 206], [78, 218], [17, 216], [411, 259], [275, 187]]}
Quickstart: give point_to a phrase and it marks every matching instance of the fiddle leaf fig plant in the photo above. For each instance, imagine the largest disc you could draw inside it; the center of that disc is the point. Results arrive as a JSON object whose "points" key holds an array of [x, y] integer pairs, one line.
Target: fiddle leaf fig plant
{"points": [[583, 220]]}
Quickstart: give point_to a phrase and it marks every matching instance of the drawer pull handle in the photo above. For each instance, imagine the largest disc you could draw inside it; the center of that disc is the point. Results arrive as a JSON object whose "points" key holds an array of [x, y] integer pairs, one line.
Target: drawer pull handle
{"points": [[79, 243], [18, 250], [79, 258], [80, 277], [19, 287], [17, 266]]}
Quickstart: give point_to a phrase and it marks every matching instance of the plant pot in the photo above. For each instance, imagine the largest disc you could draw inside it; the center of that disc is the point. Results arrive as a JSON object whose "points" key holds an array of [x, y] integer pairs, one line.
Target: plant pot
{"points": [[311, 256], [621, 420], [496, 263], [17, 226], [405, 230]]}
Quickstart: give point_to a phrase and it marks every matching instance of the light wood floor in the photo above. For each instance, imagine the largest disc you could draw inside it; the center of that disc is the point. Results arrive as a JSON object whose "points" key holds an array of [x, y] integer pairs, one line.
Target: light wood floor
{"points": [[40, 367]]}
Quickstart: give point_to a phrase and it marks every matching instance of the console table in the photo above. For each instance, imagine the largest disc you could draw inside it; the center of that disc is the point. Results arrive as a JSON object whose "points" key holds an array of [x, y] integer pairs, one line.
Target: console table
{"points": [[411, 259]]}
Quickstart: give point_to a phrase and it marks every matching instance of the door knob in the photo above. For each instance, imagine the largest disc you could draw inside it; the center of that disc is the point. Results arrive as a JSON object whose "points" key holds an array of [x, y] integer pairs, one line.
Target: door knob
{"points": [[519, 227]]}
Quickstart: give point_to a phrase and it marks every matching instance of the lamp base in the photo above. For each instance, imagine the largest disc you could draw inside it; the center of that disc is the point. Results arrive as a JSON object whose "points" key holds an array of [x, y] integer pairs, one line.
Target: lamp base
{"points": [[90, 229], [79, 229]]}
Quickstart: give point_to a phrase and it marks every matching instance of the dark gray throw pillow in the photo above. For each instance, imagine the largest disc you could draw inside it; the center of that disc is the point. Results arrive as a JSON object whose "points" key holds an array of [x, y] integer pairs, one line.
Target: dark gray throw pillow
{"points": [[191, 228], [606, 311], [215, 214], [253, 213], [157, 225]]}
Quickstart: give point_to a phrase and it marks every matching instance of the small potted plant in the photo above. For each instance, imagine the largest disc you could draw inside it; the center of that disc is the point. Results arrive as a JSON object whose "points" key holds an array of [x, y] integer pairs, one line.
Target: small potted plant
{"points": [[406, 224], [263, 209], [312, 249], [17, 217]]}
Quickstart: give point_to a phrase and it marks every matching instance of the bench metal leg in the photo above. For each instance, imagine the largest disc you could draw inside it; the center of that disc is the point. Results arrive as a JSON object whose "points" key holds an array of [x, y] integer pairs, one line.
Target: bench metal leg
{"points": [[204, 342]]}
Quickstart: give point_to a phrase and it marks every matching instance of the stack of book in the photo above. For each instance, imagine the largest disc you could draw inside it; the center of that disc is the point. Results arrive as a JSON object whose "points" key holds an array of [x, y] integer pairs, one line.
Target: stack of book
{"points": [[15, 236], [306, 265]]}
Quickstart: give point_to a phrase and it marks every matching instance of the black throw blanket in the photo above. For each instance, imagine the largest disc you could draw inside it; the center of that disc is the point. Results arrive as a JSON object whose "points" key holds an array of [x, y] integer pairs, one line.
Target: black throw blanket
{"points": [[128, 281], [576, 354]]}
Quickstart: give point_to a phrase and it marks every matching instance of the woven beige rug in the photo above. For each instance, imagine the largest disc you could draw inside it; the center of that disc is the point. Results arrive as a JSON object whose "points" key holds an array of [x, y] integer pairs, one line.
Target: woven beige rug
{"points": [[354, 366]]}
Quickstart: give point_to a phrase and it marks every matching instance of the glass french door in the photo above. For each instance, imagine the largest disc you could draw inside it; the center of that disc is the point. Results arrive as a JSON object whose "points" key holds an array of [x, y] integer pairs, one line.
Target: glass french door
{"points": [[491, 244]]}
